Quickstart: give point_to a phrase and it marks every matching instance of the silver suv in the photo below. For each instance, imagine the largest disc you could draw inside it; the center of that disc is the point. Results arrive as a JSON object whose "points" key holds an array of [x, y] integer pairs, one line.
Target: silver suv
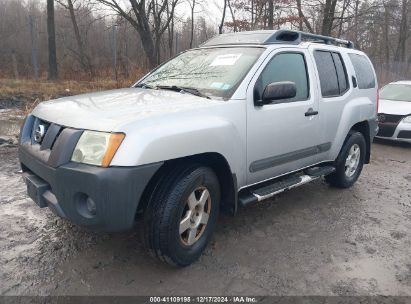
{"points": [[238, 120]]}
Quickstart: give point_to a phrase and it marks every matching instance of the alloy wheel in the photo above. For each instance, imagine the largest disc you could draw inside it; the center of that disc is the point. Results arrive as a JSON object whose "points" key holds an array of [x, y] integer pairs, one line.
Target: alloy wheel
{"points": [[195, 216]]}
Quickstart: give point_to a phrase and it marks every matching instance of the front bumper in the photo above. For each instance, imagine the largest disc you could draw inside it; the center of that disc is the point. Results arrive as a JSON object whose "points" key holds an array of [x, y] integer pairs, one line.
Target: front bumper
{"points": [[402, 132], [54, 181]]}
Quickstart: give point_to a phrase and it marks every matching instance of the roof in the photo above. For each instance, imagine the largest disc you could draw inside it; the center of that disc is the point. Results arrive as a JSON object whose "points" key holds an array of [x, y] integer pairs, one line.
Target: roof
{"points": [[267, 37]]}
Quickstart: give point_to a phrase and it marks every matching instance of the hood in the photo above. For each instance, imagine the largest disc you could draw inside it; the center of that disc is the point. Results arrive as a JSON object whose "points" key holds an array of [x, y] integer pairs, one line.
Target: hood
{"points": [[109, 110], [394, 107]]}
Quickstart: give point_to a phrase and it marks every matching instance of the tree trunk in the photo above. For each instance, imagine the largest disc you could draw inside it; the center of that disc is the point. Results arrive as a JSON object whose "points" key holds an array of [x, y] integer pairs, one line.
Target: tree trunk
{"points": [[140, 17], [84, 60], [357, 2], [386, 36], [177, 44], [34, 47], [114, 52], [126, 63], [302, 17], [192, 23], [232, 16], [171, 39], [220, 28], [340, 28], [158, 49], [270, 14], [170, 30], [328, 19], [252, 14], [402, 38], [51, 32], [14, 62], [148, 46]]}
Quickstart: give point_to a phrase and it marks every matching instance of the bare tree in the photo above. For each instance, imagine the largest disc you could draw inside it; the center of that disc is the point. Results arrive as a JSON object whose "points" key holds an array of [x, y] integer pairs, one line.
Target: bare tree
{"points": [[170, 30], [139, 17], [381, 28], [270, 14], [303, 18], [51, 32], [84, 59], [386, 27], [192, 4], [402, 36], [220, 28], [328, 17], [232, 16], [34, 46], [14, 61]]}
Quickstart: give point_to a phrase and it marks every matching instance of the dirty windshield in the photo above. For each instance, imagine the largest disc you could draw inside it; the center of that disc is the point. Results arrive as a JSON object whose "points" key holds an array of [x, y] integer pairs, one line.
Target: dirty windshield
{"points": [[213, 73]]}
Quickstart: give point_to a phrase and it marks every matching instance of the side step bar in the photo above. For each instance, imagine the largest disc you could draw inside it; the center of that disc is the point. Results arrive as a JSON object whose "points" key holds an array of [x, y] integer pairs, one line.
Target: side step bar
{"points": [[269, 189]]}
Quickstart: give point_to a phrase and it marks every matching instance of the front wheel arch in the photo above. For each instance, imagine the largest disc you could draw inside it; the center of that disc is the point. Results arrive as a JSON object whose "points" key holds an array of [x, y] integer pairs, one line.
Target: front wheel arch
{"points": [[214, 160]]}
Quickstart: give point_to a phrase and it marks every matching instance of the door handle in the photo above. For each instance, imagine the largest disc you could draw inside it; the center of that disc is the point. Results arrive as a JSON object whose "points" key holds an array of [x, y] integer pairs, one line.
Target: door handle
{"points": [[311, 112]]}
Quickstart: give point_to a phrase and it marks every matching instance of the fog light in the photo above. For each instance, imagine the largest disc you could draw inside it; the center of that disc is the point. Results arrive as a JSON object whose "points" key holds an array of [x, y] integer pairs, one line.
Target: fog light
{"points": [[85, 205], [91, 206]]}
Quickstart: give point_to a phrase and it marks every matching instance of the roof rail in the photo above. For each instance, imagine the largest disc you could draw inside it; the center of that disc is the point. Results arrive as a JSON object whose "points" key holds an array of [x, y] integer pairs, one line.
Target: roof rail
{"points": [[272, 37], [298, 37]]}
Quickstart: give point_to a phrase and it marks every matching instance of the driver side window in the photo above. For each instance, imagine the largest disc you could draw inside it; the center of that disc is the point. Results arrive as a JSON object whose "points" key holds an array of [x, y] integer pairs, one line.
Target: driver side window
{"points": [[285, 67]]}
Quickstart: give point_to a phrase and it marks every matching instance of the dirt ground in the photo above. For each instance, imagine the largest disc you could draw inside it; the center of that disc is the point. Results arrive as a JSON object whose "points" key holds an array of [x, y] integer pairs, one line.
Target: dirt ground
{"points": [[313, 240]]}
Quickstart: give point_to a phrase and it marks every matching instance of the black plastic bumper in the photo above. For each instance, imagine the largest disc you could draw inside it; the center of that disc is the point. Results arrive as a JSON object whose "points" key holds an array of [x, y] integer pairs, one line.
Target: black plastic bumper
{"points": [[115, 191]]}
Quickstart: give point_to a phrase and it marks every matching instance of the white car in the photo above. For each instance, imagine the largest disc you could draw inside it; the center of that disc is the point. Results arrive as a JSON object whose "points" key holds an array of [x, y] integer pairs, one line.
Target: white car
{"points": [[394, 113]]}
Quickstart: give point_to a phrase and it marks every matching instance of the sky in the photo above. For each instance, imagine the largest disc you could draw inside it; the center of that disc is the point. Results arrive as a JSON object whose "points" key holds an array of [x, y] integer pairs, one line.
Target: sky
{"points": [[210, 9]]}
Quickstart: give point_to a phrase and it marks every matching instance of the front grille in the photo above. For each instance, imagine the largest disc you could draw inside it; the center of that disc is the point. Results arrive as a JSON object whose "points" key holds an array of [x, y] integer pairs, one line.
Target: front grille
{"points": [[404, 134], [388, 124], [387, 130], [45, 133], [388, 118], [55, 145], [39, 130]]}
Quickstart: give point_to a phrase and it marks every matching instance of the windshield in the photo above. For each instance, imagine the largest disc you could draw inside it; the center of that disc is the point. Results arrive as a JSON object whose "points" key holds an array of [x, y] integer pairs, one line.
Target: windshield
{"points": [[214, 73], [400, 92]]}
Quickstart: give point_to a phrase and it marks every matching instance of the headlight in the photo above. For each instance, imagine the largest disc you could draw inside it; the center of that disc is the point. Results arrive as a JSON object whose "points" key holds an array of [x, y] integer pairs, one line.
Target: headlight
{"points": [[97, 148], [407, 119]]}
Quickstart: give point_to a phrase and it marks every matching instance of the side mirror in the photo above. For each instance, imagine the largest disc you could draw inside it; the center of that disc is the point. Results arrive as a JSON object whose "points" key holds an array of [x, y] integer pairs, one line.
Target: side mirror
{"points": [[278, 91]]}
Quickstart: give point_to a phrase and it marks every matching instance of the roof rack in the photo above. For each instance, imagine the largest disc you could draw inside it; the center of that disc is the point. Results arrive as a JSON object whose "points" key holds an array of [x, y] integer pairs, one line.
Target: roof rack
{"points": [[298, 37], [272, 37]]}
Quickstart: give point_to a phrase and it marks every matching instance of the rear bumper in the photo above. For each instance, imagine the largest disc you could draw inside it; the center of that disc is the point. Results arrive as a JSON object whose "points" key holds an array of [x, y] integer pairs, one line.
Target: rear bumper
{"points": [[115, 191]]}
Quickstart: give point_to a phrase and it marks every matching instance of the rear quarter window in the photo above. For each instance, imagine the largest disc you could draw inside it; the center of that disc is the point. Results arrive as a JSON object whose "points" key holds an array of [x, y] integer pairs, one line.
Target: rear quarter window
{"points": [[363, 71]]}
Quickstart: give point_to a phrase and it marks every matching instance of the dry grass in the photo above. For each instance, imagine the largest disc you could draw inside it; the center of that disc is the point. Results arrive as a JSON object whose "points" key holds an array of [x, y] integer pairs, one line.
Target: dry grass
{"points": [[27, 93]]}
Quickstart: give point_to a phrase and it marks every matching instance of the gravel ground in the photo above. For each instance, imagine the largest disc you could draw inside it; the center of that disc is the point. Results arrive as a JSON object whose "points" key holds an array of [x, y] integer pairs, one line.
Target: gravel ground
{"points": [[313, 240]]}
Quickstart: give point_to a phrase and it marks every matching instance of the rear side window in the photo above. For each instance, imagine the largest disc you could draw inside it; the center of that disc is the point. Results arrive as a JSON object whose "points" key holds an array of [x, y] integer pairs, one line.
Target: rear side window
{"points": [[363, 71], [332, 73]]}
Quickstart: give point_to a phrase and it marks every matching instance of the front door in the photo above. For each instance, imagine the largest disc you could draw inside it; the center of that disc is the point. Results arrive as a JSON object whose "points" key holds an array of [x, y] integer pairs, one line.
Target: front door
{"points": [[283, 136]]}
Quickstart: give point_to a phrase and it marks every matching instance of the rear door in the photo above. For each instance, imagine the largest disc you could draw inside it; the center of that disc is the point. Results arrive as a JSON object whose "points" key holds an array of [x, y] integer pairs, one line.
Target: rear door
{"points": [[283, 136], [334, 89]]}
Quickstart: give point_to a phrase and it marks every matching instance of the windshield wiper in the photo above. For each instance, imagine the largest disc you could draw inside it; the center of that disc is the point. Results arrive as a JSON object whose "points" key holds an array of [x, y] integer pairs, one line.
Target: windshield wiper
{"points": [[192, 91], [146, 86]]}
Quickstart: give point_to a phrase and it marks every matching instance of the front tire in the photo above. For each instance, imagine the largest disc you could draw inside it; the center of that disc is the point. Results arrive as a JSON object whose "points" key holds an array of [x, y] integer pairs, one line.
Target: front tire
{"points": [[181, 215], [350, 162]]}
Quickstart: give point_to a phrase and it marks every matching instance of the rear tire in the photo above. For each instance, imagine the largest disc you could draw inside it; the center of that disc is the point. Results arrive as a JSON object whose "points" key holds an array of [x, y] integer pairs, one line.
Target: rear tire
{"points": [[349, 162], [181, 215]]}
